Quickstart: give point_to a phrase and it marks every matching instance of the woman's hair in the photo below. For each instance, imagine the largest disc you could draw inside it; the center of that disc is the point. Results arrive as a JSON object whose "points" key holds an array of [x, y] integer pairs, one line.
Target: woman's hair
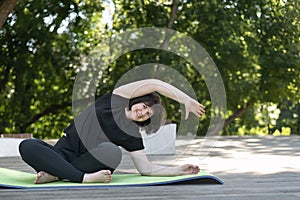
{"points": [[152, 100]]}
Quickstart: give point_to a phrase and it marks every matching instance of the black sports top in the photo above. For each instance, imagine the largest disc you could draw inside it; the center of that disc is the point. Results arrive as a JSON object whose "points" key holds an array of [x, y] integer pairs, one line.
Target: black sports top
{"points": [[104, 121]]}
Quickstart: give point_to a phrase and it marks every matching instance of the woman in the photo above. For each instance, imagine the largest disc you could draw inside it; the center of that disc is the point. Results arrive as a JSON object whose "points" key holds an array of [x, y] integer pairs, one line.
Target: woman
{"points": [[89, 150]]}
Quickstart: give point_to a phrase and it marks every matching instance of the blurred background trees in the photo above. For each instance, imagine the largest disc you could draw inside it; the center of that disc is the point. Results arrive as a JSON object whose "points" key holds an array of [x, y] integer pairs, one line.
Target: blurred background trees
{"points": [[255, 45]]}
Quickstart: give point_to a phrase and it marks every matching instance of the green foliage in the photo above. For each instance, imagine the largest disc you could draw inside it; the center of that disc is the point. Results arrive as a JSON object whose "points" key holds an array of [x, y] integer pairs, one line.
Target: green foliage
{"points": [[40, 44], [289, 117], [255, 45]]}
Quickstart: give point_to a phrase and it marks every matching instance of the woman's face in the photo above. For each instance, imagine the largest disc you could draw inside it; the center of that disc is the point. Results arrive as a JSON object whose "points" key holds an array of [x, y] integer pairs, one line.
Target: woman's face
{"points": [[140, 112]]}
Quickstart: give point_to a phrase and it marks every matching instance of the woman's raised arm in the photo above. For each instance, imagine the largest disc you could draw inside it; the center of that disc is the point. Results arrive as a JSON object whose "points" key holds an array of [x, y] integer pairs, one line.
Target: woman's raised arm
{"points": [[142, 87]]}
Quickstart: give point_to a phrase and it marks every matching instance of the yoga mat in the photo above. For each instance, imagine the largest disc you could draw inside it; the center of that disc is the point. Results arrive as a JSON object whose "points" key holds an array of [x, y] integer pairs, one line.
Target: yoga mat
{"points": [[21, 180]]}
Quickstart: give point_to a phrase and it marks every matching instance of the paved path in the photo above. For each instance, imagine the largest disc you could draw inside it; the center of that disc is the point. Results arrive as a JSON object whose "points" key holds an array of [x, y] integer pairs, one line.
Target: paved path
{"points": [[252, 168]]}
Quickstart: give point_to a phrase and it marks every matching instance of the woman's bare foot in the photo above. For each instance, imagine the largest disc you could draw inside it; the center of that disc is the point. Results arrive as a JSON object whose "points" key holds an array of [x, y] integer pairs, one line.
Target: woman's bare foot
{"points": [[43, 177], [103, 176]]}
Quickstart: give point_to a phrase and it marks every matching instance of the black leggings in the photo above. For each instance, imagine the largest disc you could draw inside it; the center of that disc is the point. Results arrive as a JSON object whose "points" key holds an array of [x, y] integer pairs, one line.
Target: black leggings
{"points": [[45, 157]]}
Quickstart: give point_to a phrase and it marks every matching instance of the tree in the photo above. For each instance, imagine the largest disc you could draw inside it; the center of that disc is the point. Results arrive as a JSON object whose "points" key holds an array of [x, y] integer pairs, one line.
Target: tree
{"points": [[255, 45], [43, 41], [6, 7]]}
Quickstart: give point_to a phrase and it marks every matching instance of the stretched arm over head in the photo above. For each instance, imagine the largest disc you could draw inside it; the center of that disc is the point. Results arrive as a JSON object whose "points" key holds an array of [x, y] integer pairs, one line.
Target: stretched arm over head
{"points": [[146, 168], [142, 87]]}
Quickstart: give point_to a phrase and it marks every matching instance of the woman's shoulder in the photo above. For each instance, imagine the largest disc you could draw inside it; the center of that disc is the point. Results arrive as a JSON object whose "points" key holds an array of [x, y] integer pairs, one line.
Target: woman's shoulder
{"points": [[110, 100]]}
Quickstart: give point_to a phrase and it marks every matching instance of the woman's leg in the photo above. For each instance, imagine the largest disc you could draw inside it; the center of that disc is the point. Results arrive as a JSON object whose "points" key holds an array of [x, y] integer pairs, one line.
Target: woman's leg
{"points": [[44, 157], [99, 163], [105, 156]]}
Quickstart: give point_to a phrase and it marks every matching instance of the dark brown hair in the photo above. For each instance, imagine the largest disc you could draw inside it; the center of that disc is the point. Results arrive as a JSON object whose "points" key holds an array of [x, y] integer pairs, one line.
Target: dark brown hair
{"points": [[152, 100]]}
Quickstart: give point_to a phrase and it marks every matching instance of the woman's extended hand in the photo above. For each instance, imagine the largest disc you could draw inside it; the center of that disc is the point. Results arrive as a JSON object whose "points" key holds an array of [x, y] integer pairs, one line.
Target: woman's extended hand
{"points": [[189, 169], [193, 106]]}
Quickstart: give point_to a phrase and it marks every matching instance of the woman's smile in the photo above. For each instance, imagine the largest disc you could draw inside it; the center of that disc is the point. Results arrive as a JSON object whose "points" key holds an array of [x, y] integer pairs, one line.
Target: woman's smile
{"points": [[139, 112]]}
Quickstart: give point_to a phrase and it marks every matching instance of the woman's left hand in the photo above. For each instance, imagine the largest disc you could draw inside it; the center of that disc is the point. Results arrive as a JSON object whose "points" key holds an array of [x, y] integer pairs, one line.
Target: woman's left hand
{"points": [[193, 106]]}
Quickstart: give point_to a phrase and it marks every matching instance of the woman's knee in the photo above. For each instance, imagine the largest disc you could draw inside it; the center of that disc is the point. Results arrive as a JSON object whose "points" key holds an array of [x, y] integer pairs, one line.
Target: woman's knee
{"points": [[25, 145], [108, 154], [110, 147], [28, 146]]}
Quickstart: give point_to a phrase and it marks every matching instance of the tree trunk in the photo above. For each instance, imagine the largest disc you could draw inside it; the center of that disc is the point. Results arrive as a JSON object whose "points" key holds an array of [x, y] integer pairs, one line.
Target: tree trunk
{"points": [[6, 7], [173, 15], [53, 109], [168, 36], [237, 114]]}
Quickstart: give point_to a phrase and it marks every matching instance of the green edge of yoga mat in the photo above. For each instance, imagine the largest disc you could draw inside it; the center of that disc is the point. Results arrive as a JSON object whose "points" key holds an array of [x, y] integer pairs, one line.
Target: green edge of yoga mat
{"points": [[17, 179]]}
